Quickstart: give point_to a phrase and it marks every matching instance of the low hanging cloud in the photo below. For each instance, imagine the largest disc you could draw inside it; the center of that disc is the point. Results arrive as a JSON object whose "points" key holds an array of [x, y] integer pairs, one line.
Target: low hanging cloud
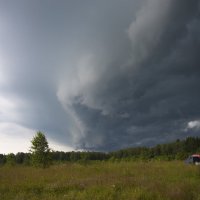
{"points": [[147, 97], [102, 75]]}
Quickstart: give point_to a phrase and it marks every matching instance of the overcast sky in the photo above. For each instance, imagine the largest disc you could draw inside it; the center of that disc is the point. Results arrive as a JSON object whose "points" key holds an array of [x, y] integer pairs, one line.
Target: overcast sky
{"points": [[98, 74]]}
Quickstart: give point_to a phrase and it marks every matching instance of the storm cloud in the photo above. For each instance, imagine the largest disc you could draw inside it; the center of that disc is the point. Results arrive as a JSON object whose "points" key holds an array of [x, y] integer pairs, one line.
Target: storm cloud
{"points": [[101, 75]]}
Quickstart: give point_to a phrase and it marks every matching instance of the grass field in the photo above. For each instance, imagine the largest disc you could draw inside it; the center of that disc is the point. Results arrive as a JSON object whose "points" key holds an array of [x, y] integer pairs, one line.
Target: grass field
{"points": [[102, 180]]}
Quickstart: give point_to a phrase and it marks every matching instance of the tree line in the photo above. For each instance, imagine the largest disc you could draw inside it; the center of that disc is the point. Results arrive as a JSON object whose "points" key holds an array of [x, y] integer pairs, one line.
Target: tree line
{"points": [[54, 157], [41, 155], [178, 150]]}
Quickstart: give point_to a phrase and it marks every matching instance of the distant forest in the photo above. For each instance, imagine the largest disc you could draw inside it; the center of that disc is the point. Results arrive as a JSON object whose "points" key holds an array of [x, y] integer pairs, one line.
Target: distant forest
{"points": [[178, 150]]}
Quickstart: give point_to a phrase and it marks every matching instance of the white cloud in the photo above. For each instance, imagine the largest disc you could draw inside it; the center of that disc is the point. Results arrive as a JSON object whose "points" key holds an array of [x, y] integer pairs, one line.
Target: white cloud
{"points": [[194, 125]]}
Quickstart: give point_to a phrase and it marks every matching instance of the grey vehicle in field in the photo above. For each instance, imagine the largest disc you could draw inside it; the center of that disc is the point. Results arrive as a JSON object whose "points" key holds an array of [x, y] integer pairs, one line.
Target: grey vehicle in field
{"points": [[193, 159]]}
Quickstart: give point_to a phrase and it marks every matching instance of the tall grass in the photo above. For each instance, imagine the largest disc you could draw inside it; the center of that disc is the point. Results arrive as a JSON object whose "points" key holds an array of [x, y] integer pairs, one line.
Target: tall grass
{"points": [[102, 181]]}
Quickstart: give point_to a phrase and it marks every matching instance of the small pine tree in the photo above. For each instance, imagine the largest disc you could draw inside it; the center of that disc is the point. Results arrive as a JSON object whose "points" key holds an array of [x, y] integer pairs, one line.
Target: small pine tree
{"points": [[40, 151]]}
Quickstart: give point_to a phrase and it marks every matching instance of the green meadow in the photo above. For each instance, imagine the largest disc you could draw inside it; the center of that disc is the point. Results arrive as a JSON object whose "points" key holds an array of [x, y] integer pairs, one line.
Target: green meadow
{"points": [[102, 180]]}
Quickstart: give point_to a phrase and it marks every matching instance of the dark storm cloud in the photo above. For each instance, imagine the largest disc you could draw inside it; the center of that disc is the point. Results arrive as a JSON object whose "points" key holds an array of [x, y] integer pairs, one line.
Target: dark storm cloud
{"points": [[103, 74], [152, 97]]}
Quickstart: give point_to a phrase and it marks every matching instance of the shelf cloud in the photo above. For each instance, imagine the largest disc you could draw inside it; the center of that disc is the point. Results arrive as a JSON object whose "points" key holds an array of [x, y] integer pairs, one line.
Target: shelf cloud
{"points": [[101, 75]]}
